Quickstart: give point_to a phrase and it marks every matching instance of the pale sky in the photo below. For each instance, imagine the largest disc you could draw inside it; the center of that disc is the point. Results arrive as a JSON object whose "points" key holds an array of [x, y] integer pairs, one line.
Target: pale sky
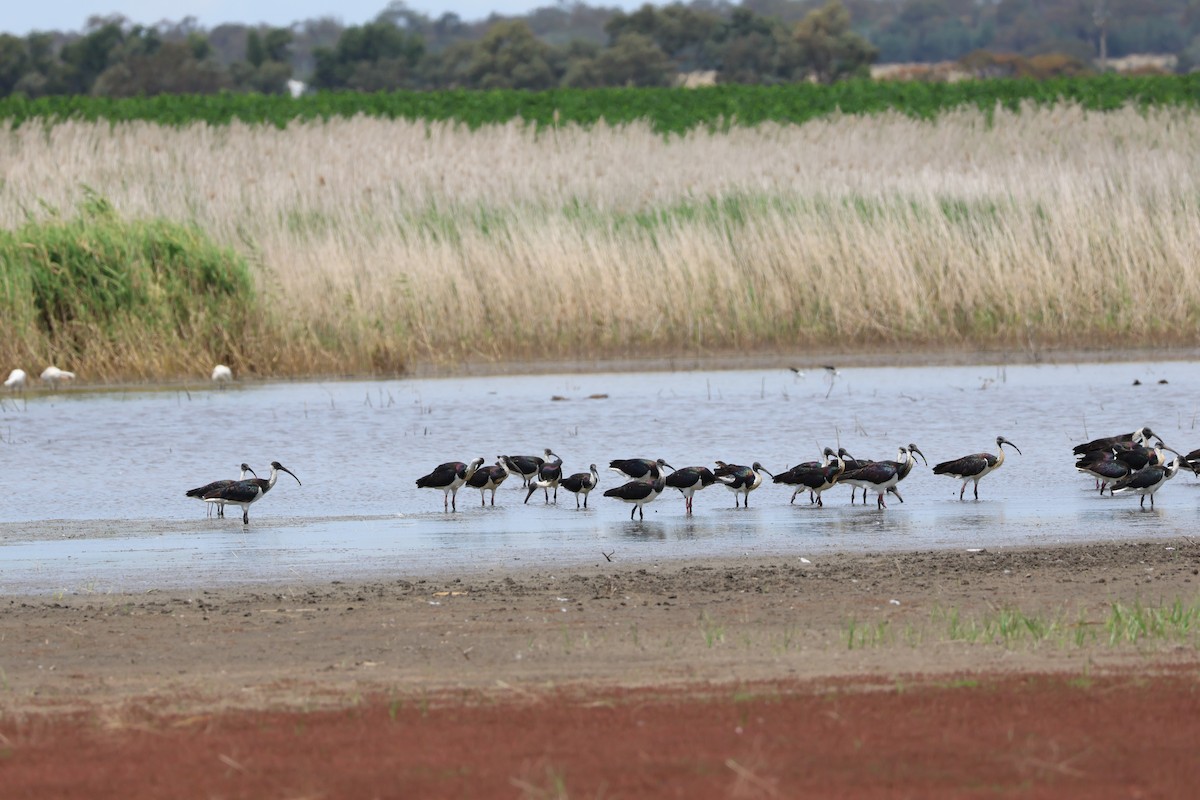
{"points": [[22, 16]]}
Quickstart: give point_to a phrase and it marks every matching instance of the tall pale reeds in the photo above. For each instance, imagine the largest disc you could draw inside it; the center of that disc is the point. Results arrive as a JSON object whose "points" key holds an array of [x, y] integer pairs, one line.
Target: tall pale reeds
{"points": [[377, 243]]}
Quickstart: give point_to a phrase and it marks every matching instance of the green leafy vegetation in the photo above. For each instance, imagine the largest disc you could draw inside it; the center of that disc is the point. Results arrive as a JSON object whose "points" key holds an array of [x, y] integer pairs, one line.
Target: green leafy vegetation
{"points": [[668, 110], [100, 289]]}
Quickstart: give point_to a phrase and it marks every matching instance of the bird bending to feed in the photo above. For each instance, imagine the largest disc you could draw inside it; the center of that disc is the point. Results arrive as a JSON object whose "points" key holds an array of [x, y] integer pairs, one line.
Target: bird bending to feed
{"points": [[689, 480], [488, 478], [1148, 480], [243, 493], [222, 374], [881, 476], [581, 483], [639, 493], [740, 480], [200, 492], [449, 477], [548, 477], [816, 476], [639, 469], [16, 379], [53, 375], [525, 466], [975, 466]]}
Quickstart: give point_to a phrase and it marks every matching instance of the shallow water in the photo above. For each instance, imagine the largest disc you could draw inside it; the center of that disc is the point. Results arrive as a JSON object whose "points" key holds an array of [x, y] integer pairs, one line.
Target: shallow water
{"points": [[95, 482]]}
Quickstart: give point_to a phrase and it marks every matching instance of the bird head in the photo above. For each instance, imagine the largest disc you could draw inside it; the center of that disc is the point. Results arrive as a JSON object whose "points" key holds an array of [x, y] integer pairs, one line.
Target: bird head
{"points": [[1001, 441], [280, 467]]}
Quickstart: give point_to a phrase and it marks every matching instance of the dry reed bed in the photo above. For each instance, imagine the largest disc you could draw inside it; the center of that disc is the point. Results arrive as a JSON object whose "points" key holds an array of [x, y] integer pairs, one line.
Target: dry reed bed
{"points": [[380, 243]]}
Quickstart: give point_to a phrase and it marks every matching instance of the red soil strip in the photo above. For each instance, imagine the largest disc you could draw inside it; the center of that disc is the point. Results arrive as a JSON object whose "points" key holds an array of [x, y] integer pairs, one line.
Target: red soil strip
{"points": [[1128, 735]]}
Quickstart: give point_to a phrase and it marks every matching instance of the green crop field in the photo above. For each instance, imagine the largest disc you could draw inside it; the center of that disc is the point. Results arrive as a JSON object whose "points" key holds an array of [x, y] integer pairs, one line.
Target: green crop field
{"points": [[667, 110]]}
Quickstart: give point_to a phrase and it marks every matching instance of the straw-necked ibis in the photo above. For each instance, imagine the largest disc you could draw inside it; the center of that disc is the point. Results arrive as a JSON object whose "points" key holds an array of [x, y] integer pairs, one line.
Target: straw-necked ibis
{"points": [[486, 478], [449, 477], [525, 466], [975, 466], [639, 469], [1148, 480], [581, 483], [815, 476], [638, 493], [548, 477], [200, 492], [1140, 436], [243, 493], [740, 480], [881, 477], [689, 480]]}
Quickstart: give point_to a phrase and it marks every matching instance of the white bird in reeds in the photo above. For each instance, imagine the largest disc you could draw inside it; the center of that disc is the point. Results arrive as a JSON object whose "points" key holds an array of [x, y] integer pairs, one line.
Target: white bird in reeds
{"points": [[16, 380], [222, 375], [53, 375]]}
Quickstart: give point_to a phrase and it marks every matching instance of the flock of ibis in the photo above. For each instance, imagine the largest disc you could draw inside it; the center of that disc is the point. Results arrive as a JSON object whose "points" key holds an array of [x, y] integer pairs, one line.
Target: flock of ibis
{"points": [[649, 478], [1132, 463]]}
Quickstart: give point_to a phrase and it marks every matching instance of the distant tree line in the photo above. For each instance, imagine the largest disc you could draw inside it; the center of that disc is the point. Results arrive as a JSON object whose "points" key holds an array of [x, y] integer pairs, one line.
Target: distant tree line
{"points": [[758, 42]]}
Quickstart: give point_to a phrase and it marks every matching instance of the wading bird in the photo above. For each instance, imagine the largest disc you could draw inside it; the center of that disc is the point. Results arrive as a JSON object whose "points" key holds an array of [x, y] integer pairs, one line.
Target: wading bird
{"points": [[974, 467], [525, 466], [639, 493], [740, 480], [1149, 480], [880, 477], [689, 480], [815, 476], [222, 375], [548, 477], [16, 380], [1140, 436], [488, 478], [581, 483], [639, 469], [449, 477], [200, 492], [243, 493], [54, 376]]}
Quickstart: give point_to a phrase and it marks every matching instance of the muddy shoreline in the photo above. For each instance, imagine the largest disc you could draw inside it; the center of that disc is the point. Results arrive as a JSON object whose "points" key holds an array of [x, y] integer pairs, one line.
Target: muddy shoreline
{"points": [[850, 614]]}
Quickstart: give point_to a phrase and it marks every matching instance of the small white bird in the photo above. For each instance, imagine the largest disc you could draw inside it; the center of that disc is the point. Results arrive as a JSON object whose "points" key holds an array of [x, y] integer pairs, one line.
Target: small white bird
{"points": [[53, 375], [16, 379], [222, 374]]}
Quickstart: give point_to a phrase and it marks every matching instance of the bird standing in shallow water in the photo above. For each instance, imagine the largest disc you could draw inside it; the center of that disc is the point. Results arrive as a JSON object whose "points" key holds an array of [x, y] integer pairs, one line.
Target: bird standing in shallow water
{"points": [[488, 478], [582, 483], [1148, 480], [201, 492], [244, 493], [449, 477], [639, 493], [974, 467], [548, 477], [16, 380], [740, 480], [689, 480], [816, 476]]}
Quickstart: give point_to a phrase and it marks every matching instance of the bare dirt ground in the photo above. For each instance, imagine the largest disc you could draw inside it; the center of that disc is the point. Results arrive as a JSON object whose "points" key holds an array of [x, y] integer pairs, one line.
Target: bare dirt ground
{"points": [[1064, 671]]}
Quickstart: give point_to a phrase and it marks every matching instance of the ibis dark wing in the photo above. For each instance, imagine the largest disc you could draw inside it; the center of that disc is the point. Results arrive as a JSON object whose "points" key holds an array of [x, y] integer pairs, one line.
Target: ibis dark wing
{"points": [[202, 491], [634, 490], [240, 491], [966, 466], [442, 475]]}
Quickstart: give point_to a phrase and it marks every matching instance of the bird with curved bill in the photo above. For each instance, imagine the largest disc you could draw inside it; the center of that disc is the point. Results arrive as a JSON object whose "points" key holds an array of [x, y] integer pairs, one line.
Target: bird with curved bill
{"points": [[247, 492], [201, 492], [975, 466]]}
